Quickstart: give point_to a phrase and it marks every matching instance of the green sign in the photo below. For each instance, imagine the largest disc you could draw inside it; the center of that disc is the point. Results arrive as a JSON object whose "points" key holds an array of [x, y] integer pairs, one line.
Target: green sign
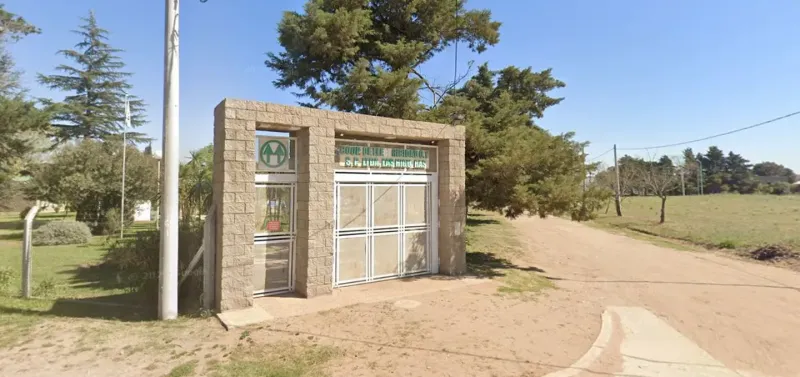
{"points": [[355, 156], [273, 153]]}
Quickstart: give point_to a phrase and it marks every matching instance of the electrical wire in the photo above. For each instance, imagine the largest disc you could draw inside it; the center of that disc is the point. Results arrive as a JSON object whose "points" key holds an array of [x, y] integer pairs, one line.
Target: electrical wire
{"points": [[601, 155], [714, 136]]}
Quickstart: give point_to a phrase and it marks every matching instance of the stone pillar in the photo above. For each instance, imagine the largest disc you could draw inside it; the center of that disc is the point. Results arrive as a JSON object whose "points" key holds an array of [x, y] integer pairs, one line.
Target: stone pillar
{"points": [[234, 197], [452, 205], [314, 247]]}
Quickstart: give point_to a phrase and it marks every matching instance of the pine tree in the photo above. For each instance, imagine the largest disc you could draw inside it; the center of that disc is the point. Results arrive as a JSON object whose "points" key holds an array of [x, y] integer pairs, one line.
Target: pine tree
{"points": [[22, 125], [95, 108], [364, 55]]}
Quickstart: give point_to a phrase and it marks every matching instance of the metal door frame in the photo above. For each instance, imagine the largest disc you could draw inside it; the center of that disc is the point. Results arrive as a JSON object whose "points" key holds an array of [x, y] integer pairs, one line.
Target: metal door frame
{"points": [[369, 180], [280, 180]]}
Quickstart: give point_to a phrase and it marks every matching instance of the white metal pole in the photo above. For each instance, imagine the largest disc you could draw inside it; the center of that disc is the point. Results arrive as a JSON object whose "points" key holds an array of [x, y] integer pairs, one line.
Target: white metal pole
{"points": [[124, 149], [122, 203], [160, 199], [27, 256], [168, 277]]}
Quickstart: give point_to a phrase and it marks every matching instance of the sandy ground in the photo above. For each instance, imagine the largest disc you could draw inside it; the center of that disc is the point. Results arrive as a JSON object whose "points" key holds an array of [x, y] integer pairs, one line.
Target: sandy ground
{"points": [[744, 315]]}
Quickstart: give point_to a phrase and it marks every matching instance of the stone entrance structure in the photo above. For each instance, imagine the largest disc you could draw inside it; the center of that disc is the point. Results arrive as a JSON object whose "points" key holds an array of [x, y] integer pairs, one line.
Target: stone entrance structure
{"points": [[284, 199]]}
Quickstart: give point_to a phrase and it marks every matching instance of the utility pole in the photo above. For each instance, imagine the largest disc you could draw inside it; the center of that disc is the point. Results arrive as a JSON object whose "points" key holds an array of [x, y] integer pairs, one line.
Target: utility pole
{"points": [[700, 171], [683, 184], [587, 175], [168, 267], [160, 199], [617, 202]]}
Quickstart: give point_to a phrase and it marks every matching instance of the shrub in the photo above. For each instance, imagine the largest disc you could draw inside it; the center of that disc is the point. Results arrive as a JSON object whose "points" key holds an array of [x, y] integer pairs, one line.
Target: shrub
{"points": [[136, 260], [764, 189], [727, 244], [62, 233], [110, 224], [45, 288], [781, 188], [6, 278], [24, 212], [796, 189]]}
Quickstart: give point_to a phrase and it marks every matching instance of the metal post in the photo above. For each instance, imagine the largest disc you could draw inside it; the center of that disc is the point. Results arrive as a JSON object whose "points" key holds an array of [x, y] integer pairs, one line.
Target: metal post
{"points": [[701, 180], [617, 200], [683, 185], [124, 149], [168, 277], [160, 199], [27, 257]]}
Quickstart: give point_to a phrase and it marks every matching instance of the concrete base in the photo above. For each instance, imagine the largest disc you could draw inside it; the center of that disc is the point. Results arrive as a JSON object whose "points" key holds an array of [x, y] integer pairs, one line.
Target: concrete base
{"points": [[244, 317], [390, 290]]}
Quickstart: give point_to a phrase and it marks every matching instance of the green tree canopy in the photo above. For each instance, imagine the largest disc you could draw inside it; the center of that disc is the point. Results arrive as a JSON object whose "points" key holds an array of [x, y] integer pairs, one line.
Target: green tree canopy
{"points": [[512, 165], [365, 55], [87, 175], [196, 183], [22, 124], [97, 85], [769, 168]]}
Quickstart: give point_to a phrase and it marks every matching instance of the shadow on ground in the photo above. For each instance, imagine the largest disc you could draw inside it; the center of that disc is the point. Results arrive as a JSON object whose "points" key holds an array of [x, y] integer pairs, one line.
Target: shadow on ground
{"points": [[102, 276], [485, 263], [477, 219], [108, 307], [488, 265]]}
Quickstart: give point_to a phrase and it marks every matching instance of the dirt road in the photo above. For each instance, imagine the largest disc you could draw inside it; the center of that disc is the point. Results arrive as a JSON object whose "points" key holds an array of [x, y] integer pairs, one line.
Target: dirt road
{"points": [[622, 307], [742, 315]]}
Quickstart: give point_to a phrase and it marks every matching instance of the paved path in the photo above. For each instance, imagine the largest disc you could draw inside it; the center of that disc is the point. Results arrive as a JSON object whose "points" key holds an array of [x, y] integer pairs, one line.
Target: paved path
{"points": [[669, 312]]}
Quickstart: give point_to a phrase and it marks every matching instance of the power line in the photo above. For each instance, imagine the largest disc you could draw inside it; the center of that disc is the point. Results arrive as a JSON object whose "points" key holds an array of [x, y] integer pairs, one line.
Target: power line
{"points": [[601, 154], [714, 136]]}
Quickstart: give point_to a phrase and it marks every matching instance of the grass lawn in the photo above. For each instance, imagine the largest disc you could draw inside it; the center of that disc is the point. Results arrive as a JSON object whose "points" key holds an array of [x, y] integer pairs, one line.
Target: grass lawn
{"points": [[66, 280], [71, 268], [492, 248], [742, 222], [193, 346]]}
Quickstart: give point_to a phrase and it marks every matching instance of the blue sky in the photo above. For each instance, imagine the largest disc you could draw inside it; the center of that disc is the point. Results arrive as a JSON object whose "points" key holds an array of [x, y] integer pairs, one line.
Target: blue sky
{"points": [[638, 73]]}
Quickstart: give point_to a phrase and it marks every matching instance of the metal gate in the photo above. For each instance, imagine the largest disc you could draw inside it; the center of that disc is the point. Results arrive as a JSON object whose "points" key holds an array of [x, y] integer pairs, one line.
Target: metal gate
{"points": [[385, 226]]}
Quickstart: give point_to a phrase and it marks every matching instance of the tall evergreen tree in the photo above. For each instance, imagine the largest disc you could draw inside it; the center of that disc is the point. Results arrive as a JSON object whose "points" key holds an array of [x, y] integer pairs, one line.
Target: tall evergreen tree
{"points": [[364, 55], [22, 125], [97, 83], [12, 28]]}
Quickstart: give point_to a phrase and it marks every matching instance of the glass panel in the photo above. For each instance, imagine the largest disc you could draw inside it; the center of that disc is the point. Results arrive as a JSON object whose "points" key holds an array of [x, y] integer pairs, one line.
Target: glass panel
{"points": [[273, 209], [352, 207], [384, 205], [415, 255], [433, 160], [416, 200], [271, 266], [385, 255], [352, 258], [275, 153]]}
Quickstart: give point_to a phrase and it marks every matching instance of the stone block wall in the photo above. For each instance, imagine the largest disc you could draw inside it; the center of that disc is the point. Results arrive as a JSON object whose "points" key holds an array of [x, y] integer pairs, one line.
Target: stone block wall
{"points": [[234, 190], [234, 198]]}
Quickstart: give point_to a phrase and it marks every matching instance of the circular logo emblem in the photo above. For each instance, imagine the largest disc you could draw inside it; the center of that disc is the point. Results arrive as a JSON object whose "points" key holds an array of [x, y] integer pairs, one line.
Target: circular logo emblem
{"points": [[273, 153]]}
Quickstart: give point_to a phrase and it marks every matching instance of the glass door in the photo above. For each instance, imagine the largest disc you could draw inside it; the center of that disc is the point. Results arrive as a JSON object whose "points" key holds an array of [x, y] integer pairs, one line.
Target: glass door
{"points": [[273, 249]]}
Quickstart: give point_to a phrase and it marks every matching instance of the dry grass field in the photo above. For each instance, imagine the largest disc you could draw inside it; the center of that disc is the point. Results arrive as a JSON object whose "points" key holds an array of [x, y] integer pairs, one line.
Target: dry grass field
{"points": [[741, 222]]}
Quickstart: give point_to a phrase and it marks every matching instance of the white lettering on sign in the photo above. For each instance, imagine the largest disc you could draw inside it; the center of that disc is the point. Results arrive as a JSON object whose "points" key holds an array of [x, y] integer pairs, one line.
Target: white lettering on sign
{"points": [[355, 156]]}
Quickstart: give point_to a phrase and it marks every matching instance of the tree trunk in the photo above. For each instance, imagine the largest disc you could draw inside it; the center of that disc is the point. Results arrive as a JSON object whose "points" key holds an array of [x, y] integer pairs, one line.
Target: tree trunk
{"points": [[663, 204]]}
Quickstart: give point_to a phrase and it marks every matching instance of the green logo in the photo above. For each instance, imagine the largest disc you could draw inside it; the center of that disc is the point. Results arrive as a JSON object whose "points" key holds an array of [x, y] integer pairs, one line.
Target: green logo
{"points": [[273, 153]]}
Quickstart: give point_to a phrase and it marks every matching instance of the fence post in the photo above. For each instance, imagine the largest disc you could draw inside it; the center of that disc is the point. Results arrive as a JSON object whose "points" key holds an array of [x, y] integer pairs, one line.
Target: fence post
{"points": [[26, 251], [209, 258]]}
